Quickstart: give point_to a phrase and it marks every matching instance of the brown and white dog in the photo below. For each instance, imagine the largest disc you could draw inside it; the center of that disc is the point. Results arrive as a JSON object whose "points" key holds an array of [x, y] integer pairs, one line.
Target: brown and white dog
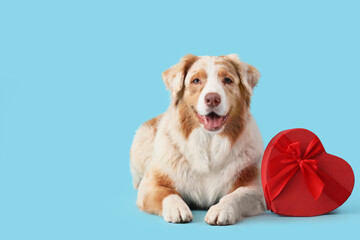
{"points": [[205, 150]]}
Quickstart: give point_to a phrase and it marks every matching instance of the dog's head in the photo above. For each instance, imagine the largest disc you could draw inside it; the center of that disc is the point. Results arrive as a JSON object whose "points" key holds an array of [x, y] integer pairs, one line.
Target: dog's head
{"points": [[211, 92]]}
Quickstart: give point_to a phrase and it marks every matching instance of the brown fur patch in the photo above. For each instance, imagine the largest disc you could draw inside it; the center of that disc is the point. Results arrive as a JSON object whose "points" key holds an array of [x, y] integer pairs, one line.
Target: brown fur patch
{"points": [[188, 120], [193, 91], [245, 177], [227, 68], [201, 74], [245, 94], [178, 73], [153, 123], [237, 115], [235, 123], [160, 187], [189, 99], [226, 73], [185, 68], [240, 104]]}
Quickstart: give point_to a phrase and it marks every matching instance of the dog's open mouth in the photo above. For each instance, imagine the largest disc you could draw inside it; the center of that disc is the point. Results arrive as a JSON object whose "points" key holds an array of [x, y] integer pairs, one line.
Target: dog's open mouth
{"points": [[212, 121]]}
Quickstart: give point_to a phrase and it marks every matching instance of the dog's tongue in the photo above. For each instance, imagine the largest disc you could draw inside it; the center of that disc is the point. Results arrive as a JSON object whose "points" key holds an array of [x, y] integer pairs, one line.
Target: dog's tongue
{"points": [[212, 122]]}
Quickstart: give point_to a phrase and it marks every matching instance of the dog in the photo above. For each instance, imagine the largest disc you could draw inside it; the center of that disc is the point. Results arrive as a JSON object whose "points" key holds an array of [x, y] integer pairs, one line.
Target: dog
{"points": [[205, 150]]}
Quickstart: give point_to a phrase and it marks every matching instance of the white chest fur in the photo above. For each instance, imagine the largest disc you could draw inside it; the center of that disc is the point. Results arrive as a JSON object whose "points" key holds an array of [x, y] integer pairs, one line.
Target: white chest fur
{"points": [[205, 189], [213, 166], [206, 164]]}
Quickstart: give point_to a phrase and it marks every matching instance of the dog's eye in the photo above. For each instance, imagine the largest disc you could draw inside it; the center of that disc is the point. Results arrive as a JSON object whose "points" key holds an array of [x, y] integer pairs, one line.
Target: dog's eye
{"points": [[227, 81], [196, 81]]}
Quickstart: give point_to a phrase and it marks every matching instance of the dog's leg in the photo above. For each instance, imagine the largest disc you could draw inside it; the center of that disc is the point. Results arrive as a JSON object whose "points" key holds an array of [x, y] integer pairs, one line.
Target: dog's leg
{"points": [[243, 202], [156, 195]]}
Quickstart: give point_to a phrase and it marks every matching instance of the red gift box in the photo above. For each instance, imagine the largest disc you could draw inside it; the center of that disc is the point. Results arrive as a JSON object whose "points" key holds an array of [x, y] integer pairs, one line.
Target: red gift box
{"points": [[300, 179]]}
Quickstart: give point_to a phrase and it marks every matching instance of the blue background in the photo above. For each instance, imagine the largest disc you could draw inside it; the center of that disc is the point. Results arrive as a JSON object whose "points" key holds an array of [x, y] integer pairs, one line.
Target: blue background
{"points": [[78, 78]]}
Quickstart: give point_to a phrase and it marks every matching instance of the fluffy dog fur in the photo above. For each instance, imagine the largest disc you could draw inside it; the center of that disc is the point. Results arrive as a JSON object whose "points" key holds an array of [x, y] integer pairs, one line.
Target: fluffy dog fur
{"points": [[201, 155]]}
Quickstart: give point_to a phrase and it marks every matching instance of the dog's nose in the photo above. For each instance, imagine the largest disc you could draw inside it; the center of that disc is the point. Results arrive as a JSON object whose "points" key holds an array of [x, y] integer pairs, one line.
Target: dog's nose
{"points": [[212, 99]]}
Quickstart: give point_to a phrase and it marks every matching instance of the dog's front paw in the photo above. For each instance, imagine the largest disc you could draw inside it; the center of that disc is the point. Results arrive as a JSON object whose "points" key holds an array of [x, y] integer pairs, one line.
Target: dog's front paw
{"points": [[220, 214], [175, 210]]}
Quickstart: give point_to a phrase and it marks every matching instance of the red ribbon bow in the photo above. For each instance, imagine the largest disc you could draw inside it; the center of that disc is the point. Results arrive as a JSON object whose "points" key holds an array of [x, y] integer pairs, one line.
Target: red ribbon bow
{"points": [[291, 160]]}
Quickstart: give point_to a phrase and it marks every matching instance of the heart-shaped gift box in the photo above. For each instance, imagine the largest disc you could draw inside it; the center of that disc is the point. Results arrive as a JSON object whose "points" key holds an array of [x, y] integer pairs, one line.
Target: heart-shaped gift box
{"points": [[300, 179]]}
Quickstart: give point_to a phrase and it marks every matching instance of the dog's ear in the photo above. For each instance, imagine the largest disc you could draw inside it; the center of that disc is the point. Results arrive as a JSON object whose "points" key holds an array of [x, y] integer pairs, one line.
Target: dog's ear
{"points": [[174, 77], [249, 75]]}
